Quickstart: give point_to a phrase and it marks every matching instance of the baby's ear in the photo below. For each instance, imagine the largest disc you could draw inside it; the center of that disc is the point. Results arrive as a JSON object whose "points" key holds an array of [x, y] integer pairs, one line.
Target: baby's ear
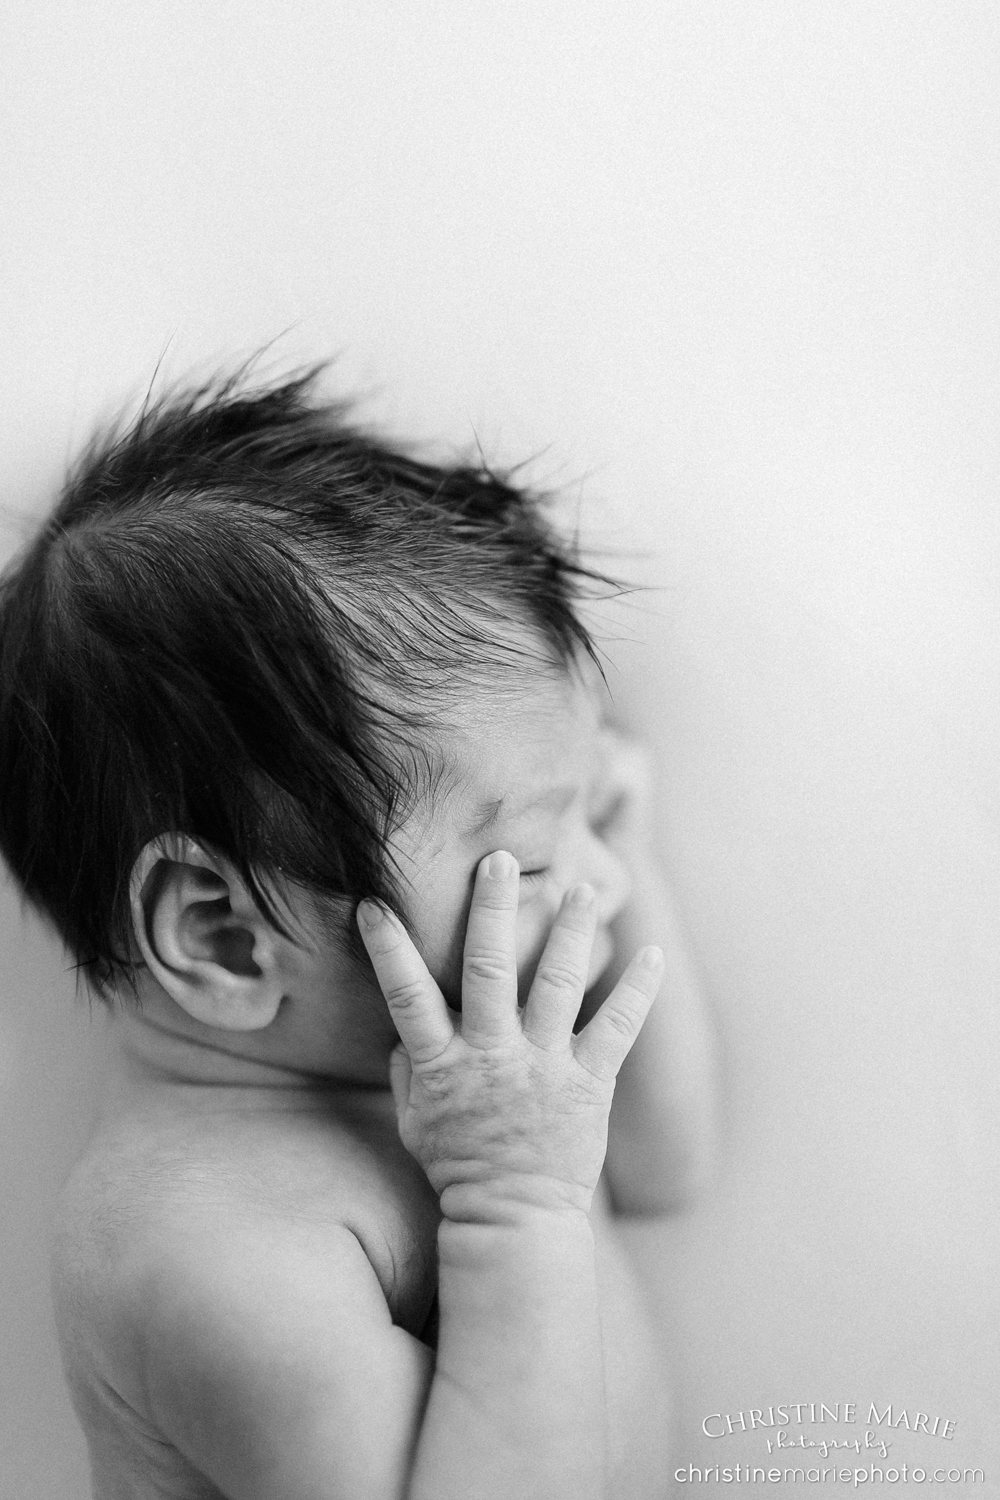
{"points": [[203, 937]]}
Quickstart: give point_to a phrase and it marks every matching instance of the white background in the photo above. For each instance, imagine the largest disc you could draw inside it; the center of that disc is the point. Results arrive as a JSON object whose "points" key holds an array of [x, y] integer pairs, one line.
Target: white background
{"points": [[731, 271]]}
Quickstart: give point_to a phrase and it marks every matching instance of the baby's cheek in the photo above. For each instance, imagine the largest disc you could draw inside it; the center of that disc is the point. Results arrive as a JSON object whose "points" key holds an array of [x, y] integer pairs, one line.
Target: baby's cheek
{"points": [[534, 923], [600, 956], [440, 939]]}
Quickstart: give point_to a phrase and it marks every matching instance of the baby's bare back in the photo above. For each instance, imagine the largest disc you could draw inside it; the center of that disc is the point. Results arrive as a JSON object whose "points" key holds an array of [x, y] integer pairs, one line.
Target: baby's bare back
{"points": [[179, 1221]]}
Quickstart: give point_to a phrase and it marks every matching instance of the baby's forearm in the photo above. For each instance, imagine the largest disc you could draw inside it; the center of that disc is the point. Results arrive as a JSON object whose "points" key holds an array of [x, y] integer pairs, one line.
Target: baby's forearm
{"points": [[635, 1368], [548, 1382], [516, 1408], [662, 1133], [508, 1118]]}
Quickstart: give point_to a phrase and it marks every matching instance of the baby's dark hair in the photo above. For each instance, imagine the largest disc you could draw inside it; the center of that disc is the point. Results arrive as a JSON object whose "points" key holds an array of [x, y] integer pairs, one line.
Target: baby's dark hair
{"points": [[238, 624]]}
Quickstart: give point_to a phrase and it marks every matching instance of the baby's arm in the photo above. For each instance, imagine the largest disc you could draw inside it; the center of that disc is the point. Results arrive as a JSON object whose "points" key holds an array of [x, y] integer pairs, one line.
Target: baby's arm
{"points": [[663, 1127], [548, 1381], [284, 1376]]}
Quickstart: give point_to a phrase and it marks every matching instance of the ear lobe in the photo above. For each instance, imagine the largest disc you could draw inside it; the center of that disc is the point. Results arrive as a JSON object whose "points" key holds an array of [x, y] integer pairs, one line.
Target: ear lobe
{"points": [[203, 938]]}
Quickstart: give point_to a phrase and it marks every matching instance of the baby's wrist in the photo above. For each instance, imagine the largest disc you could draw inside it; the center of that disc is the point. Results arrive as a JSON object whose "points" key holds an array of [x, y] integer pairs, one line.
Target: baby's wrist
{"points": [[513, 1199], [511, 1237]]}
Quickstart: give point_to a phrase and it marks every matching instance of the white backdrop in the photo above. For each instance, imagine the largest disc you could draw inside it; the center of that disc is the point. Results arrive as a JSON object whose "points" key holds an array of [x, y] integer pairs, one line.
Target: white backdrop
{"points": [[731, 270]]}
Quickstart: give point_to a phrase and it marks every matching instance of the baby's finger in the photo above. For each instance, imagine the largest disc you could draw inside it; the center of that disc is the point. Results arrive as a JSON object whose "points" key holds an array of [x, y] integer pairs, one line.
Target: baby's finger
{"points": [[561, 977], [415, 1003], [605, 1042], [400, 1073], [489, 970]]}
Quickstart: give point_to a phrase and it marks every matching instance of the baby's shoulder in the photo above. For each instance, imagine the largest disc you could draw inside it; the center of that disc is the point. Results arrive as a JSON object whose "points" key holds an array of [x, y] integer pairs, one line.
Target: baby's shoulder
{"points": [[214, 1278], [223, 1212]]}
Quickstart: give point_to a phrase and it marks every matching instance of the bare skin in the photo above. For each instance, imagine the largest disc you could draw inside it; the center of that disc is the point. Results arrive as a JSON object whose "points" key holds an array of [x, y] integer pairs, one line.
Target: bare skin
{"points": [[249, 1251]]}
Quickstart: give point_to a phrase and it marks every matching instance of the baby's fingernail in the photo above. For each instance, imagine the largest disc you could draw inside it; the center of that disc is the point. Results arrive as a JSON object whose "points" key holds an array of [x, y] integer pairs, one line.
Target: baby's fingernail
{"points": [[651, 958], [370, 914], [581, 897], [501, 865]]}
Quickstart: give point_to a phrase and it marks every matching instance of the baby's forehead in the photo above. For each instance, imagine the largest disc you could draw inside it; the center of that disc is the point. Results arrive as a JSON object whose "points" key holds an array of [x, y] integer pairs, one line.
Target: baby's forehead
{"points": [[526, 752]]}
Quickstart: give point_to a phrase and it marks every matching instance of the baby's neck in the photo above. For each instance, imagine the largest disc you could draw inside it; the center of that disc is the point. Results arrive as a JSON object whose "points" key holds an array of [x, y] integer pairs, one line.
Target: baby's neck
{"points": [[164, 1053]]}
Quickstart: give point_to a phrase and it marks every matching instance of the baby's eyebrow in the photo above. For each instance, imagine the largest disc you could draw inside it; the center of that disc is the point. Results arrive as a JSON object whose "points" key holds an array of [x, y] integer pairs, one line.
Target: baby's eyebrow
{"points": [[487, 815]]}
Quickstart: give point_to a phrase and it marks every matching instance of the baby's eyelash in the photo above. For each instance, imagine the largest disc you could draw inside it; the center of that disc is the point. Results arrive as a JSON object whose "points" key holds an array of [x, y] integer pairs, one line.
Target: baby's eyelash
{"points": [[535, 874]]}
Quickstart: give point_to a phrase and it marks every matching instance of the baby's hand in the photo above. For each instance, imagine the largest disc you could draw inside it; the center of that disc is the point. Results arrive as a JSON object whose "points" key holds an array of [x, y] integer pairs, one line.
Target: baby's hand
{"points": [[506, 1108]]}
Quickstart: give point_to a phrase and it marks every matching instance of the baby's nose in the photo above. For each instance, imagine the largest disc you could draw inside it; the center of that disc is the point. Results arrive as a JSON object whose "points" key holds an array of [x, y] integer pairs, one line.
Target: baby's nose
{"points": [[611, 879]]}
